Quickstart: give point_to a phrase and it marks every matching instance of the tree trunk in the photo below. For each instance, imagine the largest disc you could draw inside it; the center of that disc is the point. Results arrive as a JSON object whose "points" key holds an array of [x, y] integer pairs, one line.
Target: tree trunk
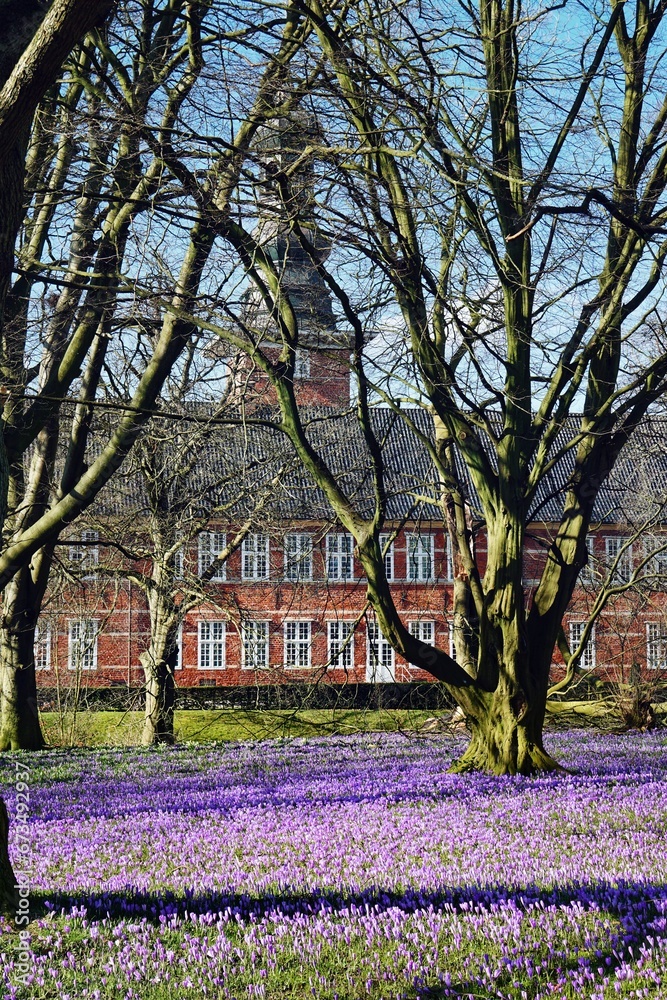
{"points": [[8, 893], [506, 735], [159, 662], [159, 712], [19, 716], [506, 716]]}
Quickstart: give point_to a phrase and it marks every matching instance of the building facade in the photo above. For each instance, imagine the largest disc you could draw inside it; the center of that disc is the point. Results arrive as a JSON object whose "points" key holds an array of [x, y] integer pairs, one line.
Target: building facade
{"points": [[289, 604]]}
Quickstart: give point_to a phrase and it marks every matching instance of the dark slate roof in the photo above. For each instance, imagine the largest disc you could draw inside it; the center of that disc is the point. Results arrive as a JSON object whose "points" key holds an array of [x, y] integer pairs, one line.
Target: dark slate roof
{"points": [[233, 464]]}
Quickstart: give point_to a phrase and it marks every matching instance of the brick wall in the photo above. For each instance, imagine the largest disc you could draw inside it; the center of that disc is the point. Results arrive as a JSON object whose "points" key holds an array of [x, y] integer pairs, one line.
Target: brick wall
{"points": [[120, 617], [326, 384]]}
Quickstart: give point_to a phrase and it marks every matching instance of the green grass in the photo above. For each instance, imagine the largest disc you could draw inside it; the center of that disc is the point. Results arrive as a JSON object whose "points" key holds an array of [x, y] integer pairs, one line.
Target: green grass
{"points": [[124, 728]]}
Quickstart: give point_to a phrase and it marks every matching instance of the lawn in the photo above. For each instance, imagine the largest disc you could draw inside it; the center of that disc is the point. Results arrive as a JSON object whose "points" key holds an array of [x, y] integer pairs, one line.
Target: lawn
{"points": [[346, 866], [124, 728]]}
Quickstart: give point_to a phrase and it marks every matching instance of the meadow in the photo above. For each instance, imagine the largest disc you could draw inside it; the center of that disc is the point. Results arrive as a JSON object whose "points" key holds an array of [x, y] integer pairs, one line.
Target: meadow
{"points": [[342, 867]]}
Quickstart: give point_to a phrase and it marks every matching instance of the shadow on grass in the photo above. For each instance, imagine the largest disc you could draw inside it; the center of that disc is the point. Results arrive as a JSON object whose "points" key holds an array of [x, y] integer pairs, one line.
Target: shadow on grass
{"points": [[640, 909], [634, 900]]}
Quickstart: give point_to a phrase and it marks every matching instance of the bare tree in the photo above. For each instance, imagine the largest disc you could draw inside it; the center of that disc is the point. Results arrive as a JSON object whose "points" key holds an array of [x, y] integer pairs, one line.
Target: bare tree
{"points": [[104, 137], [188, 471], [31, 54], [524, 254], [620, 635]]}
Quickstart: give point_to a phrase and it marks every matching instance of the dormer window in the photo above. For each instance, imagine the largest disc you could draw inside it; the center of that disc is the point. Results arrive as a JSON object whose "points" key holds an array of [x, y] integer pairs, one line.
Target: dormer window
{"points": [[84, 555]]}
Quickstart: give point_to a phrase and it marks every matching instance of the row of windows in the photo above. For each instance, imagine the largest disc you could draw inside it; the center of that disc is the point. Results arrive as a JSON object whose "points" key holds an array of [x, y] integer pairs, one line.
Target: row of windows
{"points": [[656, 645], [621, 554], [212, 637], [298, 549]]}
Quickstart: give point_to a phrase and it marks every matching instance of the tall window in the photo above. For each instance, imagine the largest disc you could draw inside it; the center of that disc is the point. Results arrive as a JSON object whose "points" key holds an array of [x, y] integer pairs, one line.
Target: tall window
{"points": [[657, 565], [85, 554], [211, 544], [379, 655], [420, 550], [255, 557], [388, 548], [43, 646], [301, 363], [340, 647], [588, 573], [297, 644], [424, 630], [617, 548], [82, 653], [656, 646], [298, 557], [339, 556], [211, 645], [449, 562], [587, 661], [255, 644], [179, 648]]}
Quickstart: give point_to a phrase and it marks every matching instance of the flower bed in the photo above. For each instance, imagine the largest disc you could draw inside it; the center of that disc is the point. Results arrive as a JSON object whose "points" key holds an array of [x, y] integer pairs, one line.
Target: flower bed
{"points": [[347, 867]]}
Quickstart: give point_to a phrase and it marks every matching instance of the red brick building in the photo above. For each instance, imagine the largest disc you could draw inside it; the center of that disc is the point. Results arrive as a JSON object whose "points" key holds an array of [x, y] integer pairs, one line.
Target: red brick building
{"points": [[290, 602], [289, 605]]}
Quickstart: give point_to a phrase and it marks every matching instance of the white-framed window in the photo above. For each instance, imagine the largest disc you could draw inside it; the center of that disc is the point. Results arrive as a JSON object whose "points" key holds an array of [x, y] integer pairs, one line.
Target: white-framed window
{"points": [[42, 647], [211, 544], [179, 648], [449, 562], [387, 547], [298, 557], [423, 629], [255, 557], [255, 644], [452, 643], [380, 661], [587, 661], [656, 646], [211, 653], [420, 551], [297, 643], [340, 644], [588, 572], [340, 559], [301, 363], [82, 650], [84, 554], [656, 566], [617, 547]]}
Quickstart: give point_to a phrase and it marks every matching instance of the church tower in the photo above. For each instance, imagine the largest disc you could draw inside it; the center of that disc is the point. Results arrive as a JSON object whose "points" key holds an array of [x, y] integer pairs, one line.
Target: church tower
{"points": [[285, 197]]}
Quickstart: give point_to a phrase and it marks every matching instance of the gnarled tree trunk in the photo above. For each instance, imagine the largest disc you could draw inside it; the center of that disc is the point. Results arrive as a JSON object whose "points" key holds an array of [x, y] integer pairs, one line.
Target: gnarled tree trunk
{"points": [[506, 732]]}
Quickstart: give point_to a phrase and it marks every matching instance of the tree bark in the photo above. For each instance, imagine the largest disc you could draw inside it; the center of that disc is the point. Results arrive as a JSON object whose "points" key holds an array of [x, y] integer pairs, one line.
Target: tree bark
{"points": [[506, 731], [502, 743], [159, 662], [19, 716], [30, 57], [160, 696]]}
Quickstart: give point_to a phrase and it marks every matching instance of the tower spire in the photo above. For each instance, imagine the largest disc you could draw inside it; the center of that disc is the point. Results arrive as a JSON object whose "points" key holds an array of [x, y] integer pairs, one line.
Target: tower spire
{"points": [[286, 203]]}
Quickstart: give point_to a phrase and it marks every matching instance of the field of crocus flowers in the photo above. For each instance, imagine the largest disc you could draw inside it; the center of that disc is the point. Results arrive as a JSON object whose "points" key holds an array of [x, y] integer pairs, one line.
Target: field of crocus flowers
{"points": [[342, 867]]}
